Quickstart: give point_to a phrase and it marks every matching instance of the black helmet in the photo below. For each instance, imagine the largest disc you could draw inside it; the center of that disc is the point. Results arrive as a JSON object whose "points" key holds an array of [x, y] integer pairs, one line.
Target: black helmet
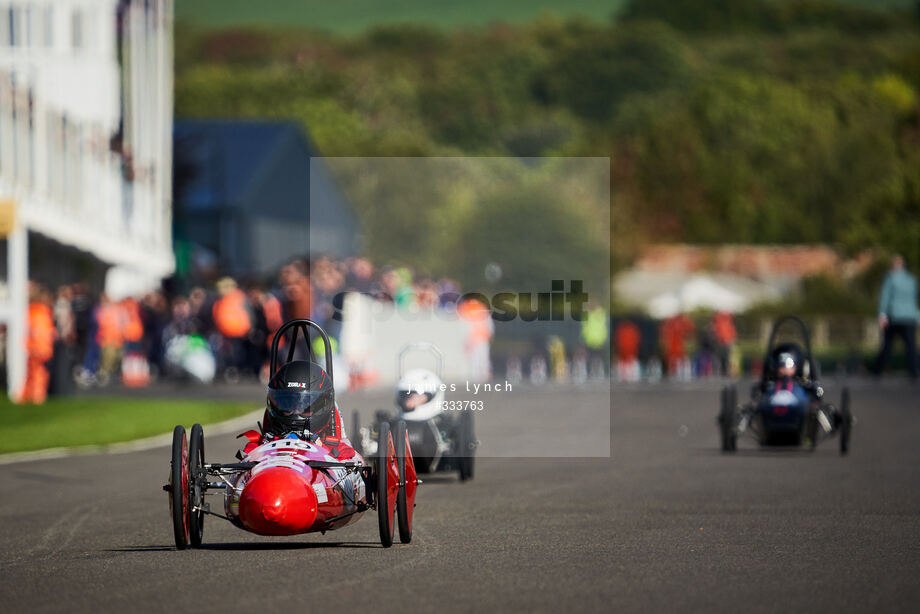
{"points": [[788, 354], [300, 398]]}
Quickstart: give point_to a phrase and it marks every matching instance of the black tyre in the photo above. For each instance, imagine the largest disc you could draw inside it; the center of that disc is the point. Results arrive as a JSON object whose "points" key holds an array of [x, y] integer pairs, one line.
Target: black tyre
{"points": [[405, 498], [387, 484], [178, 488], [846, 421], [197, 476], [727, 419], [733, 407], [466, 446], [355, 435]]}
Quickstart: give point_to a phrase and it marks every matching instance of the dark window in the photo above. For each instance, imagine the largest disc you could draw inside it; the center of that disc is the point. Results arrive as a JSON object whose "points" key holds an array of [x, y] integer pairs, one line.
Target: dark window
{"points": [[76, 29], [12, 23], [49, 26]]}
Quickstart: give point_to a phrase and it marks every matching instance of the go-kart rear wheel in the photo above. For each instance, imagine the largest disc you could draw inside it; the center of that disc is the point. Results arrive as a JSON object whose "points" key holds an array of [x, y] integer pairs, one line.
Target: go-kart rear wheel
{"points": [[466, 446], [387, 484], [408, 483], [846, 421], [178, 488], [727, 419], [197, 475]]}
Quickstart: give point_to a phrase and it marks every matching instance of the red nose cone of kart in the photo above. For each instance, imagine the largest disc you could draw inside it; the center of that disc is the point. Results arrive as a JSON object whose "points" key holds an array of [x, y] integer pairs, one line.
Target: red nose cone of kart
{"points": [[278, 501]]}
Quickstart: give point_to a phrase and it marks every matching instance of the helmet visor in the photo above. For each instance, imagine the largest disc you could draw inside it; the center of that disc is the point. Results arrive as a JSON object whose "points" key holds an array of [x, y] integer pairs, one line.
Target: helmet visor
{"points": [[289, 402]]}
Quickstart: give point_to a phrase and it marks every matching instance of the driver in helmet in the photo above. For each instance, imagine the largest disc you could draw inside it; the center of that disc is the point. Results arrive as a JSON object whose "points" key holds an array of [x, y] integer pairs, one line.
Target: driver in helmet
{"points": [[786, 366], [787, 382], [419, 395], [301, 403]]}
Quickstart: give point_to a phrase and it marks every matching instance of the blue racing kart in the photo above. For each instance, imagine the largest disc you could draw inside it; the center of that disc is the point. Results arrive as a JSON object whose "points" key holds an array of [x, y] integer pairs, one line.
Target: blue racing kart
{"points": [[787, 406]]}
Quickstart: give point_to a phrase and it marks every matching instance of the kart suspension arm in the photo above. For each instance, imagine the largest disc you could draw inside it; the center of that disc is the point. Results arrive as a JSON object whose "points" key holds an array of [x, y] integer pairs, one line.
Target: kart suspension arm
{"points": [[245, 466], [333, 464], [237, 466], [359, 508], [210, 513]]}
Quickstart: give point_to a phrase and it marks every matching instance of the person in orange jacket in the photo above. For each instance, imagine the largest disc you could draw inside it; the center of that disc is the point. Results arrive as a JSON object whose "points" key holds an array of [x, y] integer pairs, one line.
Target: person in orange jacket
{"points": [[110, 329], [674, 334], [135, 370], [628, 337], [723, 326], [40, 337], [479, 333], [132, 324], [233, 321]]}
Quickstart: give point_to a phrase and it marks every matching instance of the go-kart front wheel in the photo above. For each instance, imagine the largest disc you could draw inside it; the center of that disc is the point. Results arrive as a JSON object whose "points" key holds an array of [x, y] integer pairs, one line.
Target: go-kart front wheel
{"points": [[408, 483], [178, 488], [846, 421], [197, 475], [387, 483]]}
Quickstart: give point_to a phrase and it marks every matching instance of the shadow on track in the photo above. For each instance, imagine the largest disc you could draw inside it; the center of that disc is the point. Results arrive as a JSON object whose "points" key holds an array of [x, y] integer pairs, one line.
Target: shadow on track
{"points": [[242, 546], [767, 452], [141, 549], [438, 478], [286, 545]]}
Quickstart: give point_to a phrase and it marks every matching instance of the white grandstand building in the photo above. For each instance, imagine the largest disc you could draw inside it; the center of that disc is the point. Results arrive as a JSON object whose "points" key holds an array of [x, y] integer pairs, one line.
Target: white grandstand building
{"points": [[85, 148]]}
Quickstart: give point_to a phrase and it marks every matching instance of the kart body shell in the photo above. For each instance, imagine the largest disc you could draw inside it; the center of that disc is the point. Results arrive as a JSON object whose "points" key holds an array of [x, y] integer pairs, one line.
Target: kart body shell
{"points": [[785, 411], [441, 441], [293, 484], [284, 495]]}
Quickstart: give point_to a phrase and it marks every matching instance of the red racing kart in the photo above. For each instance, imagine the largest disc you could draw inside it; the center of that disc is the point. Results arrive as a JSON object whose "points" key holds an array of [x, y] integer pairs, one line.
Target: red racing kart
{"points": [[292, 485]]}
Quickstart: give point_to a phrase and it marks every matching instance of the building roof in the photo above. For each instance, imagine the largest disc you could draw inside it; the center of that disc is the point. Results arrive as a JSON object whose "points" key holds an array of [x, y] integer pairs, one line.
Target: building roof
{"points": [[218, 159], [665, 293], [669, 278], [757, 261], [255, 193]]}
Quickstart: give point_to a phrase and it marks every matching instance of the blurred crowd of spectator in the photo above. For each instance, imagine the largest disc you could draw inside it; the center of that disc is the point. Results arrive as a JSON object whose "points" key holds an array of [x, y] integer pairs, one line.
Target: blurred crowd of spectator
{"points": [[714, 350], [223, 331]]}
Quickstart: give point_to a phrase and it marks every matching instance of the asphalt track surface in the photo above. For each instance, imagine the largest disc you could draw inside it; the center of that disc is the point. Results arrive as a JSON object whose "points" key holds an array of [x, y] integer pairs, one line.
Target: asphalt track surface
{"points": [[666, 523]]}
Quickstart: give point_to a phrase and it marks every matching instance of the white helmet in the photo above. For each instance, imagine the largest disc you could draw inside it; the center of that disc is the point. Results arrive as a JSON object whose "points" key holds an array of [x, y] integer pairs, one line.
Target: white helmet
{"points": [[419, 395]]}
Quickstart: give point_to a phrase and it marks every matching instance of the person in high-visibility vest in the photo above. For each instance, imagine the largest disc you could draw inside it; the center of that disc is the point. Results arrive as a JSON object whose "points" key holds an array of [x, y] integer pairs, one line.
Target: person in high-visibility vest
{"points": [[594, 328], [135, 370], [110, 319], [628, 339], [595, 334], [132, 324], [40, 338], [723, 327], [674, 334], [233, 321], [479, 334], [231, 313]]}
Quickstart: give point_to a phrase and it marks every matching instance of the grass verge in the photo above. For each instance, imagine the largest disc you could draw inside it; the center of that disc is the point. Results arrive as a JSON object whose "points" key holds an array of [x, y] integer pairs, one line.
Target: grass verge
{"points": [[79, 421]]}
